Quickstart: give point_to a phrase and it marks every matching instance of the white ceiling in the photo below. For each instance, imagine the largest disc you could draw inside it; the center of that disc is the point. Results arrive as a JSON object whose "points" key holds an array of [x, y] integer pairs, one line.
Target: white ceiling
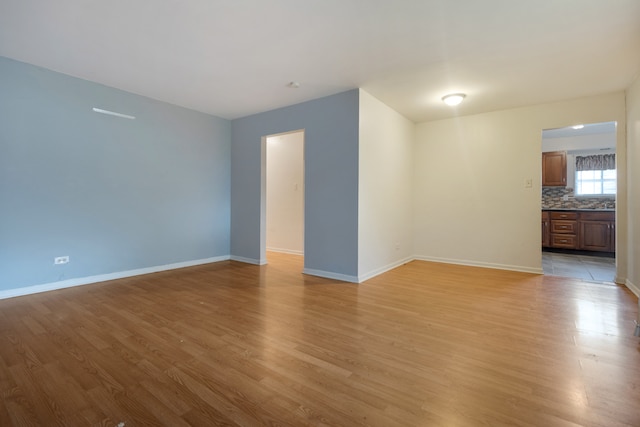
{"points": [[233, 58], [608, 128]]}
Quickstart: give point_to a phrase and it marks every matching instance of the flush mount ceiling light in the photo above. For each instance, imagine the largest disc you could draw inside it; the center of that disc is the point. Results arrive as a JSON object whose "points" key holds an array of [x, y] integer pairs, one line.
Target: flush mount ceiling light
{"points": [[576, 127], [453, 99]]}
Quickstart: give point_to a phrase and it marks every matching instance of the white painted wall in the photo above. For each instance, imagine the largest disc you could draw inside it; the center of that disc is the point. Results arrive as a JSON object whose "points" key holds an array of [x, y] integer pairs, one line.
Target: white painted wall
{"points": [[471, 203], [582, 142], [385, 190], [633, 189], [285, 193]]}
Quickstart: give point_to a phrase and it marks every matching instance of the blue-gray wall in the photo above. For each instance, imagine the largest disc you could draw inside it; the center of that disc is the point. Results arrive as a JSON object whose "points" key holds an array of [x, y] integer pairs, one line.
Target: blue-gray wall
{"points": [[113, 194], [331, 180]]}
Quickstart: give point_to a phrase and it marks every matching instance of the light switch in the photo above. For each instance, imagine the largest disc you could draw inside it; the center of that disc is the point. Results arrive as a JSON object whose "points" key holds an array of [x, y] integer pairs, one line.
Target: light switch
{"points": [[528, 183]]}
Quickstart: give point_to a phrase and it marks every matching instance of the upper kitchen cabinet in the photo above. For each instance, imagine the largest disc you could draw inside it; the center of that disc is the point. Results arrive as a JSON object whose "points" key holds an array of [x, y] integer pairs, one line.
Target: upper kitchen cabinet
{"points": [[554, 169]]}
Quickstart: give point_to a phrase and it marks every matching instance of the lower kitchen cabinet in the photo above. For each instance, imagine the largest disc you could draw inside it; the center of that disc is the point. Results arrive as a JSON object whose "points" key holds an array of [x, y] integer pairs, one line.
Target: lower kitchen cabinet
{"points": [[564, 229], [588, 231], [597, 231], [564, 241], [546, 234]]}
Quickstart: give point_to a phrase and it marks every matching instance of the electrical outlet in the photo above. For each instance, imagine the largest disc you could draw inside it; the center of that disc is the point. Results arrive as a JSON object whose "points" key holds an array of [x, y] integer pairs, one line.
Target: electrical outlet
{"points": [[61, 260]]}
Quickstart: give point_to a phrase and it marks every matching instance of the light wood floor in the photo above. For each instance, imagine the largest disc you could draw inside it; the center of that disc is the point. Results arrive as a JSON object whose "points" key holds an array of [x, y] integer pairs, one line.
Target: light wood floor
{"points": [[236, 344]]}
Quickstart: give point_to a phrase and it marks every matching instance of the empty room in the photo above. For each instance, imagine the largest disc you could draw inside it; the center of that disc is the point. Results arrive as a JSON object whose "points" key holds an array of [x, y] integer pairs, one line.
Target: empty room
{"points": [[320, 213]]}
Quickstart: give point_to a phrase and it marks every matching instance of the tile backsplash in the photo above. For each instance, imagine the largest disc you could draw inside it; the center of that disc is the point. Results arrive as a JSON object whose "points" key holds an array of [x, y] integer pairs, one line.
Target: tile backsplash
{"points": [[552, 198]]}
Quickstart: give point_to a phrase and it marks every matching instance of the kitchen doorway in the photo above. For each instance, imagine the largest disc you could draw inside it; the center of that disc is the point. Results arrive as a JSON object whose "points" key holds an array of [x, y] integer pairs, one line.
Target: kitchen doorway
{"points": [[579, 265], [284, 193], [579, 185]]}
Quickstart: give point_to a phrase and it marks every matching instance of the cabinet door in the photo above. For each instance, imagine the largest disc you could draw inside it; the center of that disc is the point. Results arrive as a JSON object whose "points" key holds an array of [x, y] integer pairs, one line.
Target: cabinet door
{"points": [[545, 233], [595, 235], [612, 244], [545, 229], [554, 169]]}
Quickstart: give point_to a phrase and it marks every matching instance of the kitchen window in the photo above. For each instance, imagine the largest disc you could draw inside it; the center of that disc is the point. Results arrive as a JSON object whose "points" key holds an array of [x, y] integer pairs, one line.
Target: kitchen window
{"points": [[596, 175]]}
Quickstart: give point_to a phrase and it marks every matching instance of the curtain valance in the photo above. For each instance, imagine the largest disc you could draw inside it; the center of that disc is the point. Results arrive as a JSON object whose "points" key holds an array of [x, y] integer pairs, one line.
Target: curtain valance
{"points": [[596, 162]]}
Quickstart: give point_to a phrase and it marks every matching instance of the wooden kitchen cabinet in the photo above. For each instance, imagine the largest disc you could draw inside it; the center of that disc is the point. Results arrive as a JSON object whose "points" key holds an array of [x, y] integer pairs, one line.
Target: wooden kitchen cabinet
{"points": [[597, 231], [554, 169], [545, 229], [564, 241], [564, 230], [588, 231]]}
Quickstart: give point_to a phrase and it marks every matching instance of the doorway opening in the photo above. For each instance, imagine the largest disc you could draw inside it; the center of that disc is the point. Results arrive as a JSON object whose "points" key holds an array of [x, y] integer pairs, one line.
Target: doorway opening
{"points": [[579, 186], [283, 194]]}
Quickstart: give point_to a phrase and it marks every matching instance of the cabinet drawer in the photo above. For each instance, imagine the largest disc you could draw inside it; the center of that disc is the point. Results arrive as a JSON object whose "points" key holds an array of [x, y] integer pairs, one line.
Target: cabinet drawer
{"points": [[565, 227], [598, 216], [563, 215], [566, 241]]}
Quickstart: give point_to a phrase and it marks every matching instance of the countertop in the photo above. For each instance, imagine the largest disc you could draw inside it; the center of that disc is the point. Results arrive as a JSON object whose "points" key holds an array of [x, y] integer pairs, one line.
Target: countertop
{"points": [[579, 210]]}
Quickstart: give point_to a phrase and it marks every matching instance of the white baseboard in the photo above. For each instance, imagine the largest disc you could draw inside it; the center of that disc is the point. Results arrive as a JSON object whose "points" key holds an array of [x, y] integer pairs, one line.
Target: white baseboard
{"points": [[285, 251], [378, 271], [508, 267], [28, 290], [632, 287], [10, 293], [248, 260], [330, 275]]}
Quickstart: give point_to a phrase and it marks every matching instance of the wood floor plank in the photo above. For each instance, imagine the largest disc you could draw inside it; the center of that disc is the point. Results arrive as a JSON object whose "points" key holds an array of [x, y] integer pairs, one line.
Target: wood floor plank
{"points": [[220, 400], [44, 406], [55, 379], [229, 344], [122, 407]]}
